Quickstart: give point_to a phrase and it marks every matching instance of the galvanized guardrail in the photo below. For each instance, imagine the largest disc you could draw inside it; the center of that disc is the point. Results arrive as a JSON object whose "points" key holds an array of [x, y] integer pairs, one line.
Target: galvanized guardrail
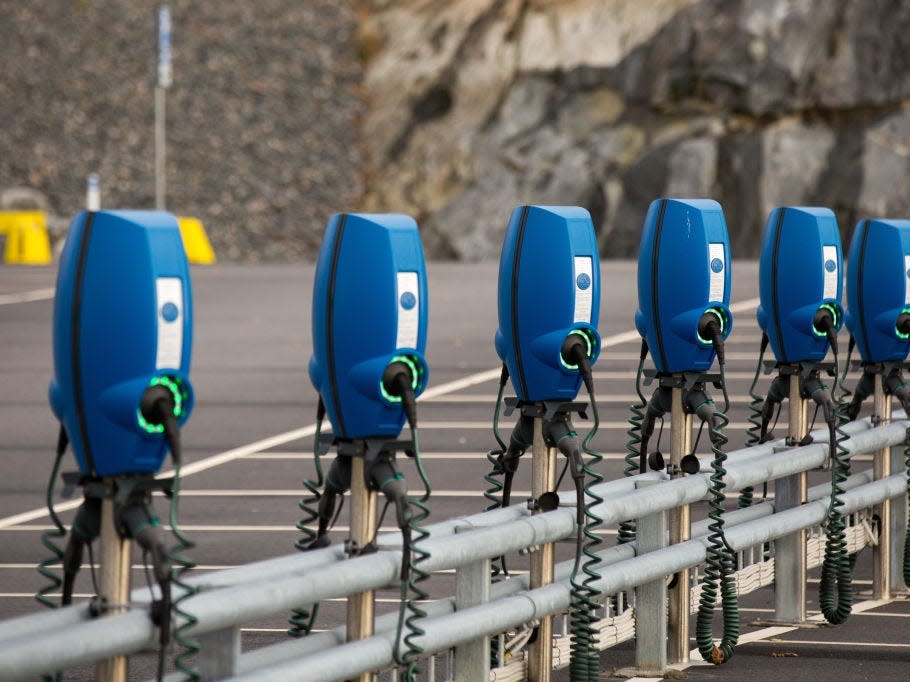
{"points": [[41, 643]]}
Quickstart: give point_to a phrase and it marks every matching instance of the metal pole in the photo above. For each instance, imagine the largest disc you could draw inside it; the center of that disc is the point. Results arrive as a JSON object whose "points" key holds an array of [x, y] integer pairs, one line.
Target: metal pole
{"points": [[543, 480], [363, 528], [114, 585], [472, 587], [160, 154], [790, 551], [219, 652], [881, 467], [164, 82], [680, 531], [93, 192], [898, 525], [651, 599]]}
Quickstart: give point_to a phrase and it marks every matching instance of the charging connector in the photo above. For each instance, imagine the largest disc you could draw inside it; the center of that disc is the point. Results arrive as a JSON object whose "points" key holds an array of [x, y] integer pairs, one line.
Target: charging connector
{"points": [[825, 324], [711, 329], [399, 380]]}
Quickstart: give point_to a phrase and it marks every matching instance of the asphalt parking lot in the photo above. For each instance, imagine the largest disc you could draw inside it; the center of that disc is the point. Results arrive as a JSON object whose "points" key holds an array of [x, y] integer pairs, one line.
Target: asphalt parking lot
{"points": [[248, 445]]}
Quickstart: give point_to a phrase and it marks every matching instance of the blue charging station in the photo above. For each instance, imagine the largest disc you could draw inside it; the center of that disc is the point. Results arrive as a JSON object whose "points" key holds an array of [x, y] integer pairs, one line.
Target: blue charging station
{"points": [[369, 336], [800, 288], [878, 307], [683, 274], [549, 291], [878, 289], [369, 312], [800, 281], [122, 325], [122, 336], [684, 317], [548, 304]]}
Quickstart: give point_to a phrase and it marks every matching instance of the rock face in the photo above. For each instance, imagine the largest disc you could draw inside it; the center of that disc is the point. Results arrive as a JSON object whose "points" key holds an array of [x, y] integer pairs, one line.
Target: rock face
{"points": [[262, 116], [283, 112], [479, 105]]}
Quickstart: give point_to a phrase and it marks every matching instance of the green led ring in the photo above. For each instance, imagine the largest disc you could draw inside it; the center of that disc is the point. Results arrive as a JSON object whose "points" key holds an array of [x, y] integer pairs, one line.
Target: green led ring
{"points": [[903, 337], [173, 385], [415, 377], [583, 333], [835, 315], [720, 318]]}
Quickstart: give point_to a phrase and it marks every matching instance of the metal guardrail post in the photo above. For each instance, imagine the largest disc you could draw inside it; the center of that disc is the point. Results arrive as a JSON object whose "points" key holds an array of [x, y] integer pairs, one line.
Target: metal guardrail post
{"points": [[898, 525], [881, 467], [651, 599], [680, 521], [472, 587], [218, 654], [114, 585], [363, 527], [790, 551], [543, 480]]}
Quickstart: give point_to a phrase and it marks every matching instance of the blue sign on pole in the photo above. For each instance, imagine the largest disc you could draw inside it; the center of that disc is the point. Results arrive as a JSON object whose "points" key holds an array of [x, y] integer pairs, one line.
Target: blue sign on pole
{"points": [[164, 46]]}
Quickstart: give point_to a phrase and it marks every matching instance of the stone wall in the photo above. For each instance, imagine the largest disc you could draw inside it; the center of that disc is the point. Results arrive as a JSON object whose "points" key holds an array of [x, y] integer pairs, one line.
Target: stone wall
{"points": [[283, 112], [479, 105]]}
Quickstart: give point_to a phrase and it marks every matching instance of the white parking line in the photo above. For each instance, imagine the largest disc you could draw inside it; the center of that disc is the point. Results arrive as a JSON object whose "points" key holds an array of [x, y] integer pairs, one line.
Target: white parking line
{"points": [[621, 398], [260, 528], [837, 643], [27, 296], [426, 456], [776, 630]]}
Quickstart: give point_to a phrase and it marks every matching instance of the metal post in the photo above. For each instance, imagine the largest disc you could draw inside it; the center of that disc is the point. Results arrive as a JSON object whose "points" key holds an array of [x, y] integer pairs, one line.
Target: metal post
{"points": [[218, 654], [472, 587], [898, 530], [680, 530], [164, 82], [160, 154], [790, 550], [651, 599], [881, 468], [93, 192], [114, 585], [543, 480], [363, 528]]}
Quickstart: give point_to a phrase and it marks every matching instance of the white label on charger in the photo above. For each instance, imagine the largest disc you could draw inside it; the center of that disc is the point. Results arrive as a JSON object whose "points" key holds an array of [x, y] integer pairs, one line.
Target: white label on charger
{"points": [[169, 292], [717, 264], [584, 288], [408, 294], [906, 279], [832, 272]]}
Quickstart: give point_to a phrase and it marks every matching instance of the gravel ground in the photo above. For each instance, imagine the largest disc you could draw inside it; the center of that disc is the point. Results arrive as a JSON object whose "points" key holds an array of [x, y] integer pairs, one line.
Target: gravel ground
{"points": [[262, 116]]}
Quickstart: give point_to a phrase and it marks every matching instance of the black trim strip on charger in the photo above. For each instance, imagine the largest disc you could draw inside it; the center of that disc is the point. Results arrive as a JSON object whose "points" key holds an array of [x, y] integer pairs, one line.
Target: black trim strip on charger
{"points": [[655, 307], [519, 365], [75, 346], [775, 302], [861, 313], [330, 325]]}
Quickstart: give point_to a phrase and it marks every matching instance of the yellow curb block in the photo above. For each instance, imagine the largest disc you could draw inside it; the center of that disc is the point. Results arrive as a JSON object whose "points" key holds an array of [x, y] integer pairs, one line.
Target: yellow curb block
{"points": [[27, 242], [195, 242]]}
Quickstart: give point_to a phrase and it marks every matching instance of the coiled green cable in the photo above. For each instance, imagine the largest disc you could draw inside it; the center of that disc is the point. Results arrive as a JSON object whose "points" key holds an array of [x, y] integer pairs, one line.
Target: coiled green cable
{"points": [[626, 531], [721, 559], [180, 564], [58, 531], [47, 539], [302, 619], [412, 591], [585, 656], [746, 496], [493, 492], [907, 535], [835, 588]]}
